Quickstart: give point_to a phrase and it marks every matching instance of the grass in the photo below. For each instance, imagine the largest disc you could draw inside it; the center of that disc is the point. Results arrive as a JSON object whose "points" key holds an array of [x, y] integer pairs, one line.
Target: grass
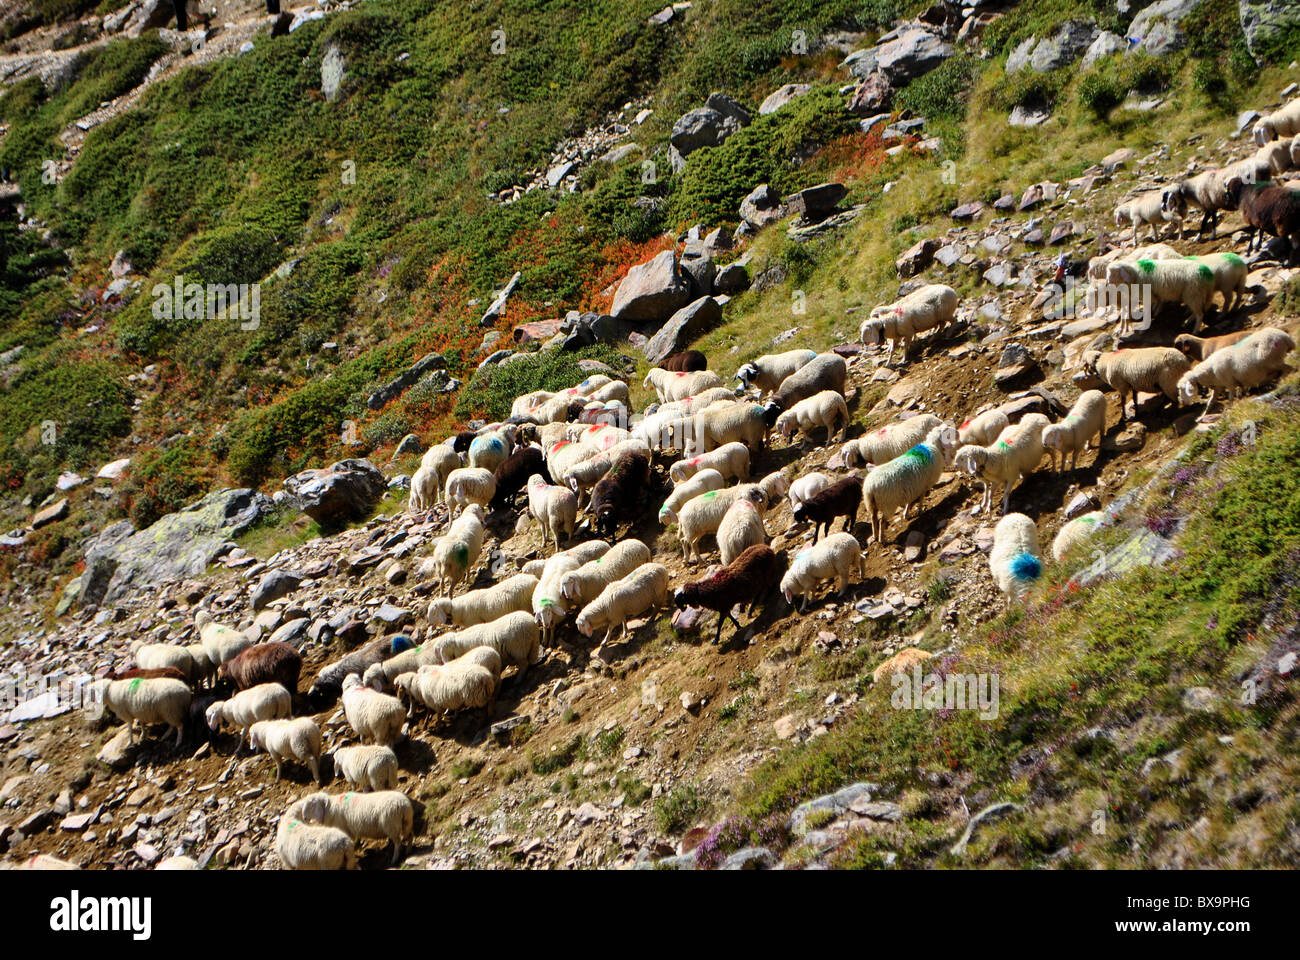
{"points": [[678, 809]]}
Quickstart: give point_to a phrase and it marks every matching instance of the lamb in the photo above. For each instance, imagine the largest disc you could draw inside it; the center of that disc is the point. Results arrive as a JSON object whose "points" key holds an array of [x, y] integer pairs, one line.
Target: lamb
{"points": [[276, 662], [381, 815], [838, 558], [826, 409], [306, 846], [1145, 369], [1086, 419], [220, 642], [516, 637], [149, 701], [1169, 281], [1014, 455], [579, 587], [329, 680], [467, 485], [730, 460], [674, 386], [554, 508], [1014, 560], [1230, 273], [746, 423], [807, 485], [645, 588], [1236, 369], [483, 606], [442, 688], [367, 767], [840, 499], [767, 372], [297, 739], [740, 529], [703, 514], [929, 307], [1154, 207], [512, 474], [458, 550], [615, 496], [1075, 532], [984, 428], [1201, 348], [157, 656], [266, 701], [826, 371], [1282, 122], [427, 483], [702, 482], [890, 441], [749, 577], [905, 479], [688, 361], [372, 715]]}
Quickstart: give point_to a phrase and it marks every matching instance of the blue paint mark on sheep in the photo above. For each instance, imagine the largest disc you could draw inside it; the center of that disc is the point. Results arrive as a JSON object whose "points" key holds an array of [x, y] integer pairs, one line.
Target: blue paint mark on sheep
{"points": [[400, 643], [921, 453], [1026, 566]]}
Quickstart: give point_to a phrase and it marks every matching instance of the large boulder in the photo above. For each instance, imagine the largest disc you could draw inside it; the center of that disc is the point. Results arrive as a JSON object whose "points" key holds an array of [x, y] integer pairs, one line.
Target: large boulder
{"points": [[407, 378], [684, 327], [761, 207], [709, 125], [1067, 44], [341, 492], [1104, 45], [1261, 21], [1018, 58], [651, 291], [585, 329], [782, 95], [872, 95], [913, 52], [698, 268], [1156, 28], [817, 203]]}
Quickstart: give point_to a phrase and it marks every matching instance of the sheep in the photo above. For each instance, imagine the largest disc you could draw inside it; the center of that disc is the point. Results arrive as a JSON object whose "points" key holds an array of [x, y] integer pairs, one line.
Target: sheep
{"points": [[516, 637], [665, 429], [611, 412], [481, 606], [554, 508], [442, 688], [329, 679], [1152, 251], [929, 307], [548, 604], [1201, 348], [427, 483], [1014, 560], [149, 701], [688, 361], [614, 391], [205, 671], [582, 476], [276, 662], [645, 588], [381, 815], [703, 514], [730, 460], [266, 701], [546, 435], [1145, 369], [701, 482], [297, 739], [458, 550], [615, 496], [1267, 209], [838, 558], [807, 485], [306, 846], [699, 401], [839, 499], [1208, 192], [1282, 122], [890, 441], [579, 587], [469, 485], [1275, 155], [740, 529], [1168, 281], [1154, 207], [1230, 273], [372, 715], [1236, 369], [905, 479], [1075, 532], [675, 386], [381, 676], [826, 371], [511, 475], [984, 428], [1086, 419], [1014, 455], [156, 656], [220, 642], [749, 577], [565, 454], [366, 766], [601, 436], [767, 372], [827, 409], [157, 673], [746, 423]]}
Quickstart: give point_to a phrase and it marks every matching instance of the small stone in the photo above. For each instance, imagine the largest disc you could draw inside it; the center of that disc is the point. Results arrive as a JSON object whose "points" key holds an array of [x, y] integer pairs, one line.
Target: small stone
{"points": [[785, 727]]}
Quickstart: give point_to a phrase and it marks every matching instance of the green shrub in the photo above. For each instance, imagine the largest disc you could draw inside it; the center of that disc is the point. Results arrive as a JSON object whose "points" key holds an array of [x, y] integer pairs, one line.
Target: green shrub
{"points": [[677, 810], [492, 390]]}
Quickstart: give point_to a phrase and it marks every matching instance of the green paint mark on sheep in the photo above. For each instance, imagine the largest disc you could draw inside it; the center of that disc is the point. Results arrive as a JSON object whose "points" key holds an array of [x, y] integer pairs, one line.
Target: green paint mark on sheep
{"points": [[1088, 520], [135, 684], [546, 602], [1205, 273], [1147, 266], [709, 496], [919, 453], [1233, 259], [461, 553]]}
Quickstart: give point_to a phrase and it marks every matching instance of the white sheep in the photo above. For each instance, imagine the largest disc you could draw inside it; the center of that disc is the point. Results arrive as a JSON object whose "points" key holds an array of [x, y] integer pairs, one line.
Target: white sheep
{"points": [[891, 440], [767, 372], [456, 552], [807, 485], [905, 479], [827, 409], [644, 589], [548, 604], [664, 429], [1014, 560], [563, 455], [205, 671], [427, 484], [1086, 420], [1142, 369], [1075, 532], [983, 428], [297, 739], [1238, 368], [1282, 122], [1014, 455], [696, 402], [616, 391], [466, 485], [159, 656], [836, 557], [160, 700], [741, 527], [1275, 155], [369, 767], [372, 715], [724, 423], [442, 688], [220, 642], [1152, 251], [730, 460], [308, 846], [266, 701], [179, 862], [602, 436], [671, 385], [581, 586], [930, 307], [1230, 272], [702, 482], [516, 637], [1165, 281], [702, 515], [555, 508], [1154, 208], [481, 606], [381, 815]]}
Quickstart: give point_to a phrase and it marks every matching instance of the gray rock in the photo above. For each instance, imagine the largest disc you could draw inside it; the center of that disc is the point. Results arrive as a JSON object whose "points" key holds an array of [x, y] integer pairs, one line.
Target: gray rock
{"points": [[1260, 21], [1069, 42], [406, 379], [915, 51], [697, 266], [750, 858], [292, 632], [1105, 44], [685, 326], [494, 310], [834, 804], [709, 125], [1022, 116], [651, 291], [872, 95], [331, 72], [1018, 59], [731, 279], [916, 258], [860, 63], [337, 494], [1156, 27], [782, 95], [992, 812], [761, 207], [273, 586], [819, 202]]}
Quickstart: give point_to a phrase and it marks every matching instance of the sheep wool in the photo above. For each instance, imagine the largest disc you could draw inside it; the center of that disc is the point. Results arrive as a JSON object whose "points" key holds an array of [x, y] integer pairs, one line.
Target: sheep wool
{"points": [[297, 739], [579, 587], [372, 715], [644, 589], [480, 606], [516, 637], [767, 372], [730, 460], [1085, 421], [827, 410], [1075, 532], [148, 701], [367, 767], [1014, 560], [380, 815], [905, 479], [555, 509], [266, 701], [741, 527], [890, 441], [455, 553], [927, 308], [837, 557], [307, 846], [466, 485], [702, 482]]}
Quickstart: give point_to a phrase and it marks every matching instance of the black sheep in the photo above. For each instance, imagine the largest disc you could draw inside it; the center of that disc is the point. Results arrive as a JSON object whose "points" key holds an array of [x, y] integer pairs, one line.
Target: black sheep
{"points": [[615, 495], [747, 579], [841, 499], [1267, 208], [513, 473], [687, 361], [463, 440]]}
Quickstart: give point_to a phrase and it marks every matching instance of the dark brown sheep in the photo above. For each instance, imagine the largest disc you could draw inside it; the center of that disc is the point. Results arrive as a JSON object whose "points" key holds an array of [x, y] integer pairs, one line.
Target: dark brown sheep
{"points": [[264, 663], [747, 579], [687, 361], [841, 499]]}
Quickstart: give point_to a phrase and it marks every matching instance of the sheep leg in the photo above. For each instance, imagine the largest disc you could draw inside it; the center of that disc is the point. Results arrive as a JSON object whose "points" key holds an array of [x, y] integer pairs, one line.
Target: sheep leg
{"points": [[180, 735]]}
